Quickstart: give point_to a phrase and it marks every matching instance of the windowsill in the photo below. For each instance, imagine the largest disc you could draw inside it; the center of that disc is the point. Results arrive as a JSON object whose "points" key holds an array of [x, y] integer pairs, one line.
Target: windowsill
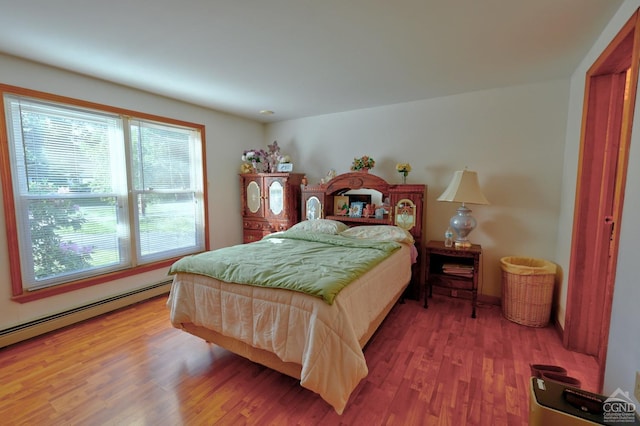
{"points": [[30, 296]]}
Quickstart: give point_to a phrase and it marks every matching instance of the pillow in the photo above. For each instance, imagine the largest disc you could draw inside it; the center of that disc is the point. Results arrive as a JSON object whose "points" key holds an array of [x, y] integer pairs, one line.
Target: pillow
{"points": [[380, 233], [322, 226]]}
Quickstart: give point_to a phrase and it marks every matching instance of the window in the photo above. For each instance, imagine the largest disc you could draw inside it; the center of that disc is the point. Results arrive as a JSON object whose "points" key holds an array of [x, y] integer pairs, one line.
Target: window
{"points": [[99, 191]]}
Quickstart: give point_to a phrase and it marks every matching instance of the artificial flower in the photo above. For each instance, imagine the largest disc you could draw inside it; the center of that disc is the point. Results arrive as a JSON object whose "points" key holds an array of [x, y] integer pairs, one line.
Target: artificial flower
{"points": [[254, 155], [364, 162], [403, 168]]}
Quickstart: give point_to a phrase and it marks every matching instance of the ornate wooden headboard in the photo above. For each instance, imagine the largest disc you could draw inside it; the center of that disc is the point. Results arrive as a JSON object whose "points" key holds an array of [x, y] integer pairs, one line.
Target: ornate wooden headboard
{"points": [[406, 208]]}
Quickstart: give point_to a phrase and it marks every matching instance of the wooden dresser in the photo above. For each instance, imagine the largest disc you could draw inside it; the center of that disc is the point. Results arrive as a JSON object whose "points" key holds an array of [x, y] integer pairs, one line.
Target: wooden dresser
{"points": [[270, 203], [407, 210]]}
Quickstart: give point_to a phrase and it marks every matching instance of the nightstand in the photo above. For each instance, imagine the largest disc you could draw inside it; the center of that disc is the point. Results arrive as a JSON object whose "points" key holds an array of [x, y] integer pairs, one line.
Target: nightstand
{"points": [[452, 268]]}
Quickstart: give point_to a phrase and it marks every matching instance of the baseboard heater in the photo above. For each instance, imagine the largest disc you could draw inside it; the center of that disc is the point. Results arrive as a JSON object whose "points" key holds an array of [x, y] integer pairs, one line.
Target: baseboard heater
{"points": [[44, 325]]}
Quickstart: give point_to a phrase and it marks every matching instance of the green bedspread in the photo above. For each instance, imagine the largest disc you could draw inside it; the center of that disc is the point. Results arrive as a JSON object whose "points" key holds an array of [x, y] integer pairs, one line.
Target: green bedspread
{"points": [[317, 264]]}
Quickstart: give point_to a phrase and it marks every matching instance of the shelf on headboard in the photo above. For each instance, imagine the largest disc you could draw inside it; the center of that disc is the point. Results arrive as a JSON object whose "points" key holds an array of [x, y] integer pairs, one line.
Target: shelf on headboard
{"points": [[367, 220]]}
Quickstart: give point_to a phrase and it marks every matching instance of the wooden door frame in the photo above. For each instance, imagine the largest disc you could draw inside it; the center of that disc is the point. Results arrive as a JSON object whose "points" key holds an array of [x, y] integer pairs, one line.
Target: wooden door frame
{"points": [[620, 56]]}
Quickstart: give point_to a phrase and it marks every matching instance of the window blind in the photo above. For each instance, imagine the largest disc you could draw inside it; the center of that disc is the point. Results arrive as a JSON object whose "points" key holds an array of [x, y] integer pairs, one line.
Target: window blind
{"points": [[91, 198]]}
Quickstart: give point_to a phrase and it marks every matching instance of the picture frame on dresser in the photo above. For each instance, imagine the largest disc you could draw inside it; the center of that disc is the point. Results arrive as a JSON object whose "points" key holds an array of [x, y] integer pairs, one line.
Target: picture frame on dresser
{"points": [[285, 167]]}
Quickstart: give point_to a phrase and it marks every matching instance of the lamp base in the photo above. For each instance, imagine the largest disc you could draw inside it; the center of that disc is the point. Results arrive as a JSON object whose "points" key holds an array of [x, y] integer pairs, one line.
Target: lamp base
{"points": [[462, 223], [462, 244]]}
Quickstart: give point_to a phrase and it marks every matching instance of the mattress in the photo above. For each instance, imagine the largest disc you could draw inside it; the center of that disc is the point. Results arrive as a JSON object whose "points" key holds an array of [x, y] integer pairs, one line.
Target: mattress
{"points": [[297, 329]]}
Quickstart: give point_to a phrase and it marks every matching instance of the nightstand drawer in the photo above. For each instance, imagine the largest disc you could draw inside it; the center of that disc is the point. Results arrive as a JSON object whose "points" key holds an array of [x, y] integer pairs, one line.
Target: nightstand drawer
{"points": [[451, 281]]}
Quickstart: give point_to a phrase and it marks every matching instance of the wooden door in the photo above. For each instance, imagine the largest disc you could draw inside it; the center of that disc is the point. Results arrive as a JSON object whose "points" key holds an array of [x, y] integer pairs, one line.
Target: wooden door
{"points": [[611, 85]]}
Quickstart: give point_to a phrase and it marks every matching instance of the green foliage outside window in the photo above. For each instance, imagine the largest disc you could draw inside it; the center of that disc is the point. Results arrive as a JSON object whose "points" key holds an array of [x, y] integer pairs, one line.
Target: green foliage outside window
{"points": [[52, 253]]}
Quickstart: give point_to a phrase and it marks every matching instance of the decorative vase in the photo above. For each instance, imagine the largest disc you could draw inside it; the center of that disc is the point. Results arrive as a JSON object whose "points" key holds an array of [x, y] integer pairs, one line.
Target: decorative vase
{"points": [[404, 178]]}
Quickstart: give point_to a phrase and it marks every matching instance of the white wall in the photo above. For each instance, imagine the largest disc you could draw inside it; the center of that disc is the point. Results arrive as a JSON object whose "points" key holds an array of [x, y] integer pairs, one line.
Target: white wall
{"points": [[524, 142], [513, 137], [623, 358], [226, 137]]}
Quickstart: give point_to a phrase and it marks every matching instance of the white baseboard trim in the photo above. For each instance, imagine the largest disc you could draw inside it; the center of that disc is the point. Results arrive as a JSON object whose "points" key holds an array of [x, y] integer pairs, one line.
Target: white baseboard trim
{"points": [[35, 328]]}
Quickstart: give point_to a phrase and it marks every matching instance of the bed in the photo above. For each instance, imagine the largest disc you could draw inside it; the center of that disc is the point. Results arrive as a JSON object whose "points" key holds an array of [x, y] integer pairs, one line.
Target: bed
{"points": [[316, 336]]}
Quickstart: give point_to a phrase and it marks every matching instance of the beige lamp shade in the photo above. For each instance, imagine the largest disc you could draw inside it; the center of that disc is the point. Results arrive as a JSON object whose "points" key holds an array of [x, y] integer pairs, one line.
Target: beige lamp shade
{"points": [[464, 188]]}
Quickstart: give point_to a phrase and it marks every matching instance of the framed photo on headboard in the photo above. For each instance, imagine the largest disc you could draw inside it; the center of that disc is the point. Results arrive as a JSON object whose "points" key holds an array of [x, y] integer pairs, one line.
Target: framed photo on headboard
{"points": [[341, 205], [355, 210]]}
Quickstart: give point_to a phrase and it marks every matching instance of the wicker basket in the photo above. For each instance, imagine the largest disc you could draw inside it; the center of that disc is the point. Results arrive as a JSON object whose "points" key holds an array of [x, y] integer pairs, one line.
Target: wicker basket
{"points": [[527, 290]]}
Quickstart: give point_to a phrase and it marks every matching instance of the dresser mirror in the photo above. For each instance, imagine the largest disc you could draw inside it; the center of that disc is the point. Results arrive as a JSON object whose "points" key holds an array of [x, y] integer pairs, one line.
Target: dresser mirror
{"points": [[375, 196], [253, 197], [276, 200]]}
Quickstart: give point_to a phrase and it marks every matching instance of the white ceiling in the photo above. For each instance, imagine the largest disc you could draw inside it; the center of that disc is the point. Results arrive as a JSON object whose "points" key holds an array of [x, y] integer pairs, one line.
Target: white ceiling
{"points": [[306, 57]]}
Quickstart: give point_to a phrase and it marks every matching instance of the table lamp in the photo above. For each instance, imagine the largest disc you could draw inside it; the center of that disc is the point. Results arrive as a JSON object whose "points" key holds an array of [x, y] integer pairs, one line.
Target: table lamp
{"points": [[464, 188]]}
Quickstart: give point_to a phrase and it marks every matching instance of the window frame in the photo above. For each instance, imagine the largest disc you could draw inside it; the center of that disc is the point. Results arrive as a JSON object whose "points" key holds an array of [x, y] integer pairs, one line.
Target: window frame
{"points": [[6, 180]]}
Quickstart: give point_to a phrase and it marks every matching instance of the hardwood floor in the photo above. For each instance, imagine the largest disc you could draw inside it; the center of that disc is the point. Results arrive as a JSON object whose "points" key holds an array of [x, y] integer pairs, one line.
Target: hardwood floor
{"points": [[435, 366]]}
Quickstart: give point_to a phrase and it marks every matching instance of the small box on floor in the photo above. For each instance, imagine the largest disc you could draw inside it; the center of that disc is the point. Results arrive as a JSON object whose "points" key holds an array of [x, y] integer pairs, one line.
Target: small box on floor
{"points": [[554, 404]]}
